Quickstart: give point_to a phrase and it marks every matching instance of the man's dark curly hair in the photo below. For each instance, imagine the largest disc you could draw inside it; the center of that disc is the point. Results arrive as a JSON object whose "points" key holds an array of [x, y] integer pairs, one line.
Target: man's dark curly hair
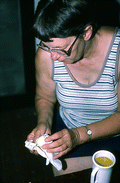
{"points": [[65, 18]]}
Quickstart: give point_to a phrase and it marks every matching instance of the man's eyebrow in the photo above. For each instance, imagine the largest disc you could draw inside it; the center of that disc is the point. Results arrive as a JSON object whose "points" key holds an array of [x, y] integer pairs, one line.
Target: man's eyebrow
{"points": [[56, 47]]}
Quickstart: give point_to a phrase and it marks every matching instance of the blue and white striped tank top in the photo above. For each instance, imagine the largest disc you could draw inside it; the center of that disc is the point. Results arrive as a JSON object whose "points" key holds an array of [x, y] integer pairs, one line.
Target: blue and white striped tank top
{"points": [[81, 105]]}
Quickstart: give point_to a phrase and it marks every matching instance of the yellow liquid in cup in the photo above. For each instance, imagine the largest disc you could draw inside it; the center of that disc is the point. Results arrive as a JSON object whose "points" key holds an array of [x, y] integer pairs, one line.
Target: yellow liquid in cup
{"points": [[104, 161]]}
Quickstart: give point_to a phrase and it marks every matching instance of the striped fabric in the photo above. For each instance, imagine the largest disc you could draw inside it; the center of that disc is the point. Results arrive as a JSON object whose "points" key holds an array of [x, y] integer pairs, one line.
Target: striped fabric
{"points": [[84, 104]]}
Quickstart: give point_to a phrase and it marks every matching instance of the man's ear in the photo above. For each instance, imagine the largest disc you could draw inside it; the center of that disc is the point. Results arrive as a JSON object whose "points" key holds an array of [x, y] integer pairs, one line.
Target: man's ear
{"points": [[88, 32]]}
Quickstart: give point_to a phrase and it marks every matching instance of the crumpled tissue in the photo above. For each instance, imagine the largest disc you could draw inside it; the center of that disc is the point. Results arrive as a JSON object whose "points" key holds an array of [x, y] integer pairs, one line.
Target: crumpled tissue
{"points": [[38, 147]]}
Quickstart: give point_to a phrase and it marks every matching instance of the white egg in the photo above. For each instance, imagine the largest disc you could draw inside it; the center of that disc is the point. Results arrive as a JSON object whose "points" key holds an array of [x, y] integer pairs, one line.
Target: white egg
{"points": [[41, 140]]}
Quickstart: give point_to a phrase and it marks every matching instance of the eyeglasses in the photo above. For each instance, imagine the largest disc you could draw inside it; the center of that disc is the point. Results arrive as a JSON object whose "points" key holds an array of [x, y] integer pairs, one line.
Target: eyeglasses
{"points": [[59, 51]]}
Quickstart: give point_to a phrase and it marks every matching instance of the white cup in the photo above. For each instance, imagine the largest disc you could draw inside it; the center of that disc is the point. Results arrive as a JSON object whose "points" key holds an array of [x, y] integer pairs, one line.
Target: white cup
{"points": [[101, 173]]}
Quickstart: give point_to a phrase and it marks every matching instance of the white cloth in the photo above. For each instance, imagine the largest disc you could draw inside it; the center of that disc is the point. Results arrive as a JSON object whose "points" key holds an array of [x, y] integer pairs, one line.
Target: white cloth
{"points": [[38, 147]]}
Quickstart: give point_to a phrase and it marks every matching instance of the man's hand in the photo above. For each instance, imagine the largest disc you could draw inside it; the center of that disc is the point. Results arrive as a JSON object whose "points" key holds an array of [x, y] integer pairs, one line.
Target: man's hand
{"points": [[63, 141], [40, 129]]}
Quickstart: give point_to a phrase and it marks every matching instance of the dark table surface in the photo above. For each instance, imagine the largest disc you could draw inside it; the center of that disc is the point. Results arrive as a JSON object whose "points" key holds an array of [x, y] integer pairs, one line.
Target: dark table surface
{"points": [[80, 177], [77, 177]]}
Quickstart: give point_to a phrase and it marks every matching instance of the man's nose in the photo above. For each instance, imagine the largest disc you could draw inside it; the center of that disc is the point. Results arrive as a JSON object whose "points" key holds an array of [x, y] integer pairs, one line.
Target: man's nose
{"points": [[55, 56]]}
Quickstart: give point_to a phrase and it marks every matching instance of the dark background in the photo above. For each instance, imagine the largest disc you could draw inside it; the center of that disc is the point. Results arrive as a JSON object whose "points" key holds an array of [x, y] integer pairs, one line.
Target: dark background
{"points": [[17, 80]]}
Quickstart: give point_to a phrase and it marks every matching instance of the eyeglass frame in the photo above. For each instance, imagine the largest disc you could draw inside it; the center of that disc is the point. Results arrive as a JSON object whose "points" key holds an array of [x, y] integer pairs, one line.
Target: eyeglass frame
{"points": [[67, 53]]}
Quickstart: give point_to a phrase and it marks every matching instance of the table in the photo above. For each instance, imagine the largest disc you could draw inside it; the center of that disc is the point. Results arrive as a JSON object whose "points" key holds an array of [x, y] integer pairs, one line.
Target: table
{"points": [[76, 177], [80, 177]]}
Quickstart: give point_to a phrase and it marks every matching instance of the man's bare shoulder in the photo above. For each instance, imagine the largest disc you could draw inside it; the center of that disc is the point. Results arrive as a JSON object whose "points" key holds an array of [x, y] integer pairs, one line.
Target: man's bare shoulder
{"points": [[45, 86], [43, 62]]}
